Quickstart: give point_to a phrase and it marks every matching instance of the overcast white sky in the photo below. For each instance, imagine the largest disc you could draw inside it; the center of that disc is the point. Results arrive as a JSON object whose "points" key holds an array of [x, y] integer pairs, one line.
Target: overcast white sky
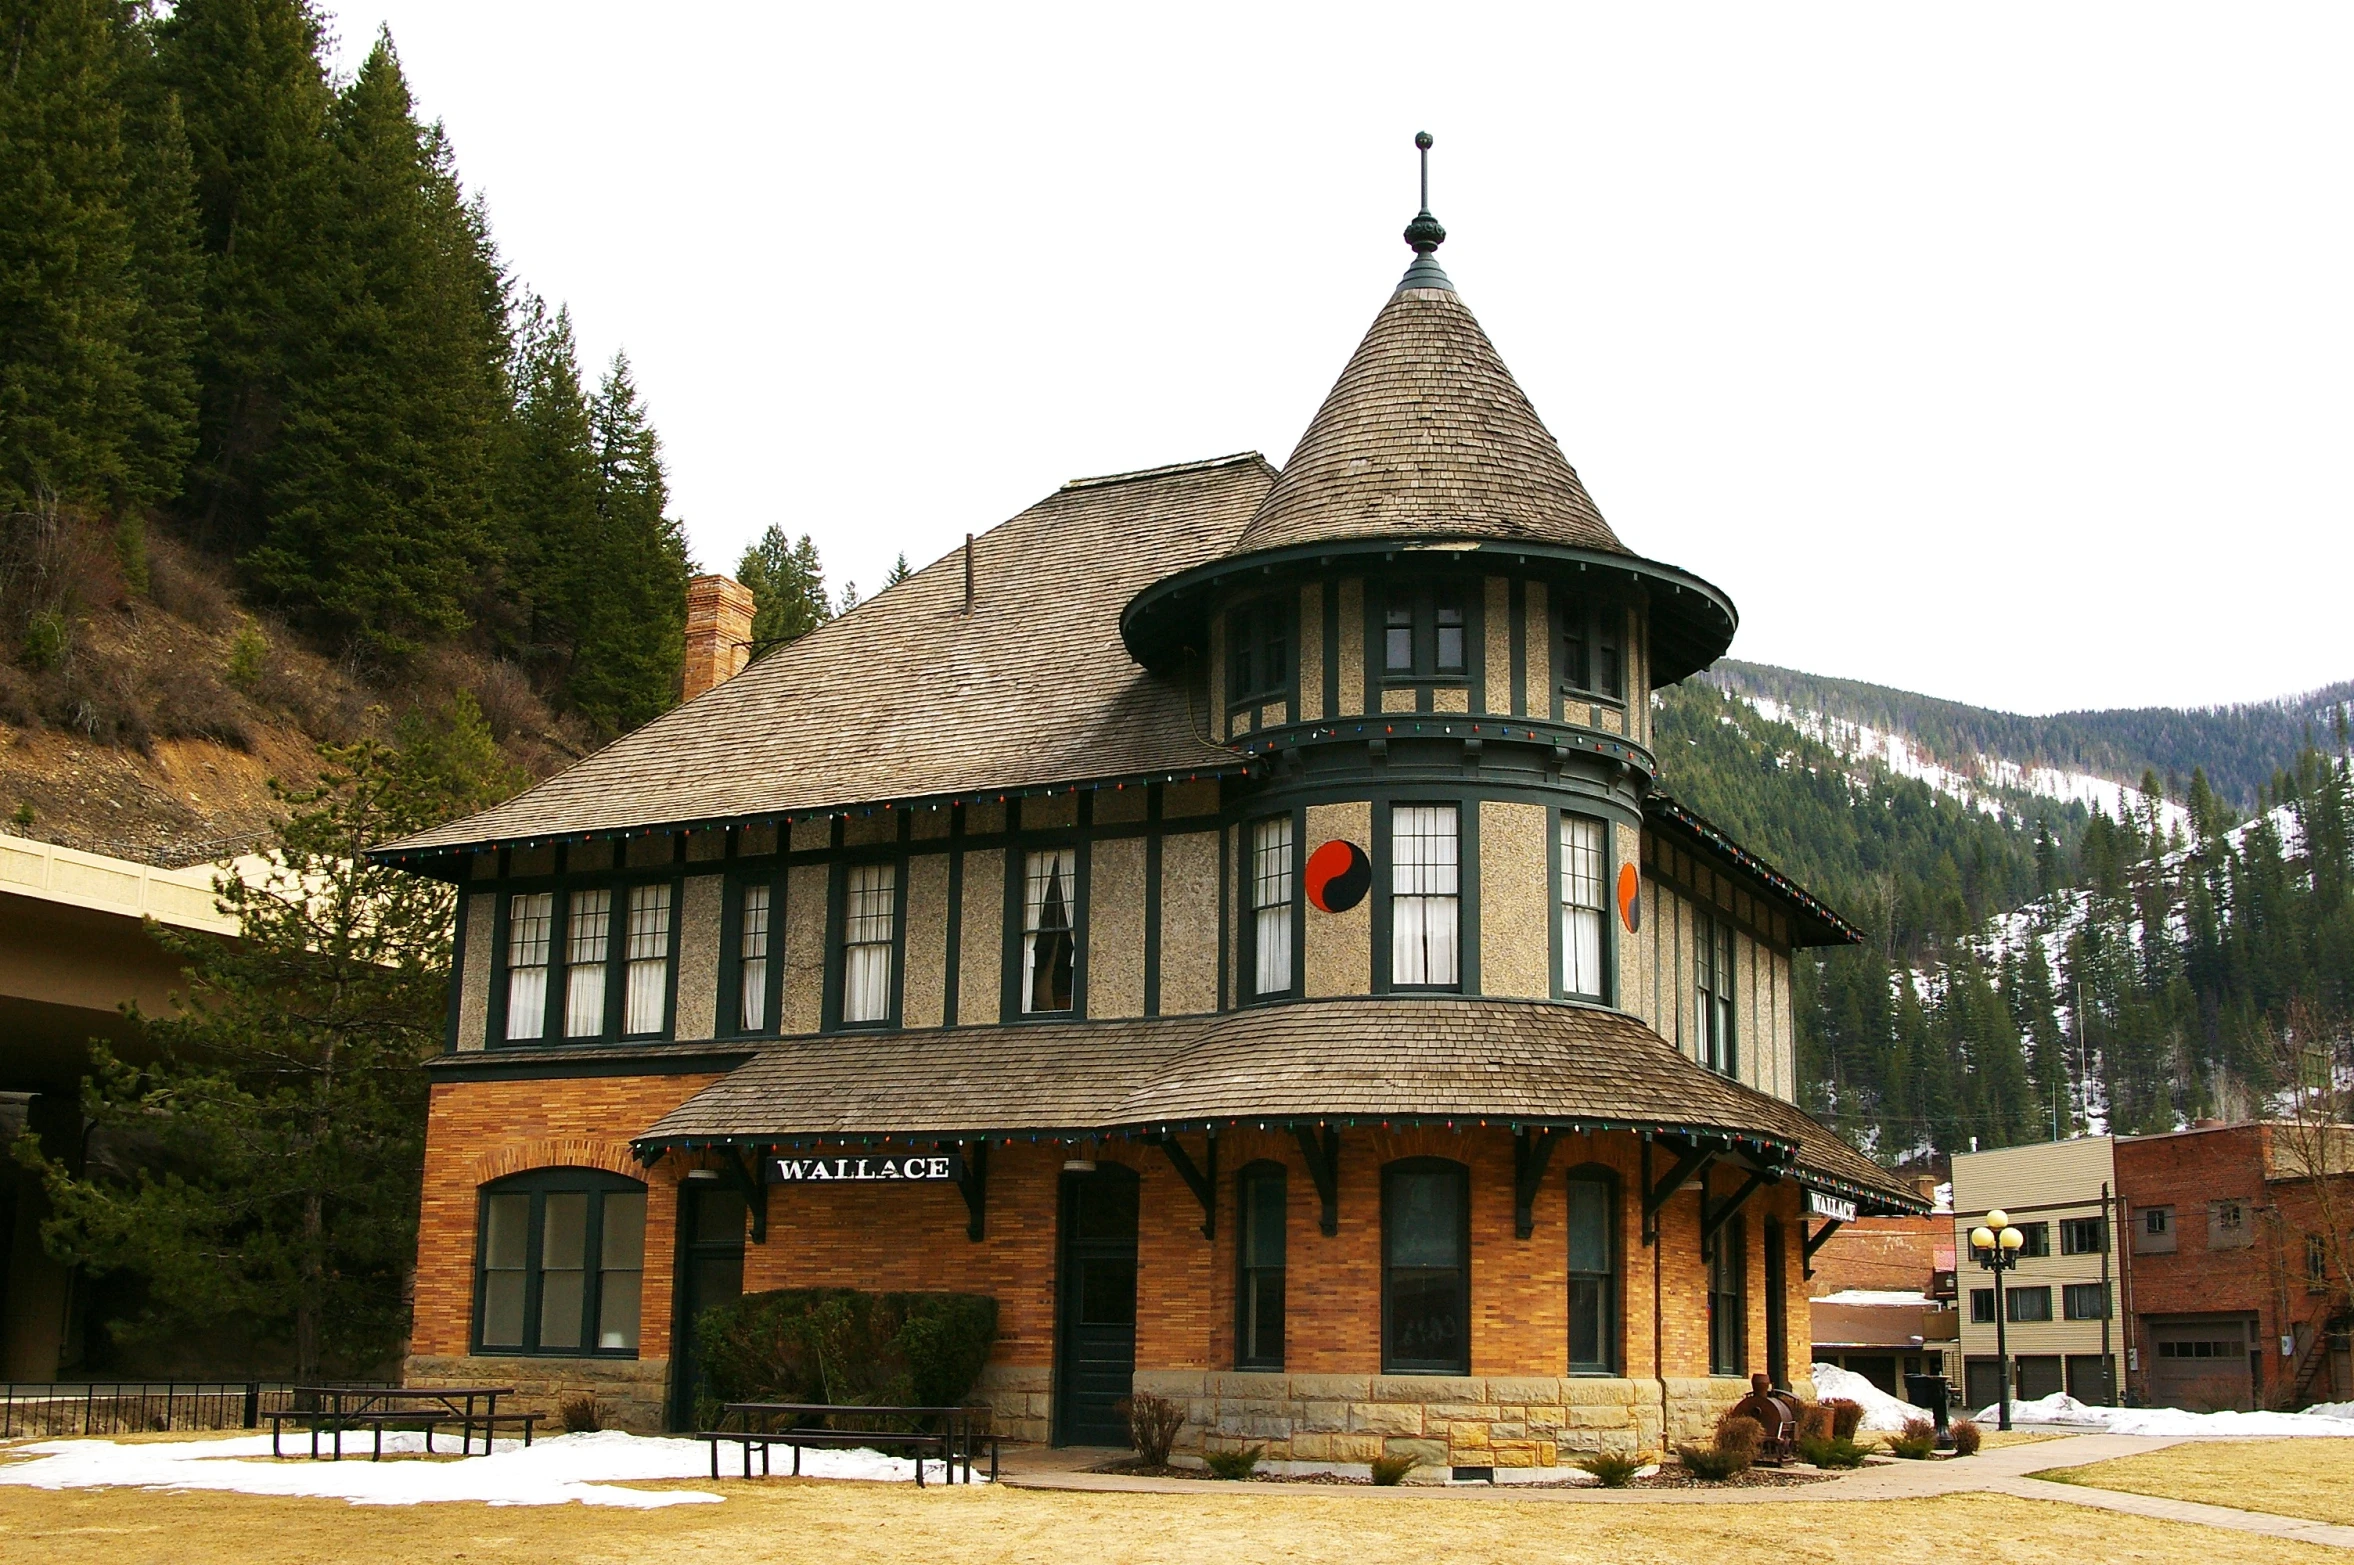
{"points": [[1999, 352]]}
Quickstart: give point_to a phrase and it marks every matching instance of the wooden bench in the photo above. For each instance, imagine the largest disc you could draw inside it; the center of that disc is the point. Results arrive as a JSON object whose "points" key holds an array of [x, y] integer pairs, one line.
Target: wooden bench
{"points": [[334, 1424], [956, 1439]]}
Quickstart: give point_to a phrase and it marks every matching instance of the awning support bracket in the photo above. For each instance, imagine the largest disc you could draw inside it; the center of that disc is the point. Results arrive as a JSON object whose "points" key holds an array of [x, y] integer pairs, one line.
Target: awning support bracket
{"points": [[1204, 1185], [1814, 1242], [1693, 1163], [1715, 1217], [1323, 1157], [973, 1185], [743, 1171], [1530, 1155]]}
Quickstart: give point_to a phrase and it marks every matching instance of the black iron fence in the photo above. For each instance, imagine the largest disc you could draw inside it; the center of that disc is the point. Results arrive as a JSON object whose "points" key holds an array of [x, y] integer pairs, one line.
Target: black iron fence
{"points": [[35, 1410]]}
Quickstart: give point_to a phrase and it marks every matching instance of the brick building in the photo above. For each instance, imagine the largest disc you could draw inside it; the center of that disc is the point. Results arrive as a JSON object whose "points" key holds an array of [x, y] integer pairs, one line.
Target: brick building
{"points": [[1225, 915], [1881, 1296]]}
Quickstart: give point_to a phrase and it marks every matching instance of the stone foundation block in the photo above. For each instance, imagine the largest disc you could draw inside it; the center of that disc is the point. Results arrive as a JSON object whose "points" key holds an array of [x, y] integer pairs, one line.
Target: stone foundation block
{"points": [[1324, 1417], [1332, 1388], [1386, 1418], [1429, 1388], [1422, 1453]]}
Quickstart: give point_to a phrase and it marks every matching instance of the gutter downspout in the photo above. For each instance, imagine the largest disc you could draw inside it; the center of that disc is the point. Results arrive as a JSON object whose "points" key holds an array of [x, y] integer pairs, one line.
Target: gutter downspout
{"points": [[2108, 1310], [1658, 1313]]}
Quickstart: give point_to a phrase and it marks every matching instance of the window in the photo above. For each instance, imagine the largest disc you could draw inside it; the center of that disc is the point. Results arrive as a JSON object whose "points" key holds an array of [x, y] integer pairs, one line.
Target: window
{"points": [[1424, 634], [1424, 896], [2083, 1235], [2035, 1240], [1259, 662], [1590, 660], [1426, 1268], [1258, 1300], [2085, 1301], [2157, 1220], [1581, 906], [752, 958], [1728, 1268], [2029, 1304], [2228, 1227], [2316, 1264], [645, 992], [1593, 1274], [561, 1256], [531, 916], [1271, 906], [1981, 1306], [1712, 967], [2154, 1235], [2228, 1348], [588, 932], [869, 893], [1048, 886]]}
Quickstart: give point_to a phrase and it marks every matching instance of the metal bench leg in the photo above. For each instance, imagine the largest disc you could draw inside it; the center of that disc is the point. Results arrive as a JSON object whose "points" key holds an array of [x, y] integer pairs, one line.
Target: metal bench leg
{"points": [[796, 1461], [715, 1461], [378, 1455], [765, 1448]]}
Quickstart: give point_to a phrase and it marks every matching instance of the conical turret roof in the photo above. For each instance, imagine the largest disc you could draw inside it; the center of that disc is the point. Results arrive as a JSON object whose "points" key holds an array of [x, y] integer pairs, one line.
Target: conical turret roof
{"points": [[1427, 436]]}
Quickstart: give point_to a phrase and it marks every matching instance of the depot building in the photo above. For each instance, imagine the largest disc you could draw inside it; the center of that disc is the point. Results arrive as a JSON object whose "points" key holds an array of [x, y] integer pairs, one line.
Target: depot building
{"points": [[1228, 915]]}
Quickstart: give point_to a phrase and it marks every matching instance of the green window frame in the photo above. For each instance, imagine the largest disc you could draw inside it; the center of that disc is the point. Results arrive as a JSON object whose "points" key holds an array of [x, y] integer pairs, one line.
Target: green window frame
{"points": [[559, 1264], [1425, 1267], [1728, 1299], [1594, 1269], [1261, 1191], [1258, 651]]}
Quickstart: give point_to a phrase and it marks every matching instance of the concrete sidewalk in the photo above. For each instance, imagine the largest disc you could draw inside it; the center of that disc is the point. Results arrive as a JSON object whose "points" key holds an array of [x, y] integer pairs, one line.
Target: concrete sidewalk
{"points": [[2001, 1470]]}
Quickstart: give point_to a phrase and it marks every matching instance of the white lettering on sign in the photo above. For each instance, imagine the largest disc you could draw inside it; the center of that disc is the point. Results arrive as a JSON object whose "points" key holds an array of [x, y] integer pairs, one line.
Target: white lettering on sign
{"points": [[1837, 1208], [815, 1170]]}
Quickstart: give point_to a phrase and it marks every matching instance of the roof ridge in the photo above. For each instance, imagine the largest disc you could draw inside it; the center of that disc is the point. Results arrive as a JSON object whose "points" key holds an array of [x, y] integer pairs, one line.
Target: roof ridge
{"points": [[1205, 464]]}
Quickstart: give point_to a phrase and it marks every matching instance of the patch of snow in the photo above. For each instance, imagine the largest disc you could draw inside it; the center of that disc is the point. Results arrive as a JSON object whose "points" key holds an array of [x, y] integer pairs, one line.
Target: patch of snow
{"points": [[561, 1470], [1942, 1199], [1889, 1296], [2173, 1422], [1883, 1413]]}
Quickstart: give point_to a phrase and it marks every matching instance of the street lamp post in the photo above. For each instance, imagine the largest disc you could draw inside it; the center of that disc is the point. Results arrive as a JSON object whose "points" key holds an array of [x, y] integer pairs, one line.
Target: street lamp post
{"points": [[1996, 1244]]}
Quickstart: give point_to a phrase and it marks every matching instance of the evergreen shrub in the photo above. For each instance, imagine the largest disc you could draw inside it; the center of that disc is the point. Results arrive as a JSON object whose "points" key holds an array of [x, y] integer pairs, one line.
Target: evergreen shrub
{"points": [[1611, 1469], [1830, 1452], [845, 1346], [1389, 1471], [1729, 1456], [1235, 1465]]}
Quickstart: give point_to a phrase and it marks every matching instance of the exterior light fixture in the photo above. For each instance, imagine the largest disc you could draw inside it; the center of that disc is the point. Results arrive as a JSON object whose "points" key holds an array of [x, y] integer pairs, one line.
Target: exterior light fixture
{"points": [[1995, 1245]]}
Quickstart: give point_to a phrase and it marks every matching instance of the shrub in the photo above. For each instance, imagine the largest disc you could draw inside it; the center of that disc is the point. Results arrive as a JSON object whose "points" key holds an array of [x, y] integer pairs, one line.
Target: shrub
{"points": [[1234, 1464], [1831, 1452], [1729, 1456], [1846, 1417], [249, 656], [1815, 1422], [1611, 1469], [582, 1414], [48, 637], [1916, 1442], [1967, 1436], [842, 1345], [1153, 1423], [1391, 1470]]}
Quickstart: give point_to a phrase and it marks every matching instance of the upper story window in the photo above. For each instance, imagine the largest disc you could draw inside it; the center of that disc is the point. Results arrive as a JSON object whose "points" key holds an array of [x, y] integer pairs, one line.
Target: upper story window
{"points": [[1258, 1298], [1271, 906], [1049, 885], [2084, 1301], [531, 917], [1423, 633], [752, 925], [870, 893], [588, 939], [2035, 1239], [1591, 661], [2155, 1235], [560, 1256], [1425, 896], [1259, 650], [2028, 1304], [1593, 1273], [2083, 1235], [1581, 906], [1425, 1268], [1712, 970], [646, 980]]}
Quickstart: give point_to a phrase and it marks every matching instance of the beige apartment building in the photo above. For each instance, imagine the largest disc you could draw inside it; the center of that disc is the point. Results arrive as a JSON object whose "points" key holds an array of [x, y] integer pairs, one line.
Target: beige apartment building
{"points": [[2065, 1320]]}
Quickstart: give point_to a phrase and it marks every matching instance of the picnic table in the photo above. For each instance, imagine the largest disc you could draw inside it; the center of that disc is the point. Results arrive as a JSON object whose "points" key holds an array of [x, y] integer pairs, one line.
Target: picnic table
{"points": [[333, 1409], [957, 1433]]}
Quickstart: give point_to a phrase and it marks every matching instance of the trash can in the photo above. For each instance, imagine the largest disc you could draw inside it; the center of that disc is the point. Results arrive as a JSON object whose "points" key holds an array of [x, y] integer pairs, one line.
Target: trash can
{"points": [[1929, 1392]]}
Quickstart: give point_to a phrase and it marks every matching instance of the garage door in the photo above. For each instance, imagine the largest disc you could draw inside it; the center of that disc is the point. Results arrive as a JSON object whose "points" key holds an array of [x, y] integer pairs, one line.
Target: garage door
{"points": [[2201, 1366]]}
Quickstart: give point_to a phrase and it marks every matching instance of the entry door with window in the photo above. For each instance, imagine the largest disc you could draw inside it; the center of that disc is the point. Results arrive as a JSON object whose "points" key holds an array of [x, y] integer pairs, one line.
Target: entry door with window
{"points": [[1096, 1364], [710, 1273]]}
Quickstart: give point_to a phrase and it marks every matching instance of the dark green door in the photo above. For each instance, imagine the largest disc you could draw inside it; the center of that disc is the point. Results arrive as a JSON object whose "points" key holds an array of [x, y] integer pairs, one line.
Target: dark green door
{"points": [[710, 1272], [1097, 1362]]}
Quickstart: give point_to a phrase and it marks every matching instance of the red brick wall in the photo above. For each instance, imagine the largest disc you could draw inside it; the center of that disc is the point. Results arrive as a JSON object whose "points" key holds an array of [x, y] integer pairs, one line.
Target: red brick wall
{"points": [[1890, 1253]]}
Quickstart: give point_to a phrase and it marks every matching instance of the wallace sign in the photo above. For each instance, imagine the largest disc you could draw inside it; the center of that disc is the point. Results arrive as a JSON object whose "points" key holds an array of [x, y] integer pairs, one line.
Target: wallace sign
{"points": [[810, 1170]]}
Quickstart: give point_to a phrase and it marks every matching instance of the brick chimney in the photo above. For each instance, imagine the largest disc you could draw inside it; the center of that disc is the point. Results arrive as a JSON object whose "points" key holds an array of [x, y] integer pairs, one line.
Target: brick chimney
{"points": [[719, 632]]}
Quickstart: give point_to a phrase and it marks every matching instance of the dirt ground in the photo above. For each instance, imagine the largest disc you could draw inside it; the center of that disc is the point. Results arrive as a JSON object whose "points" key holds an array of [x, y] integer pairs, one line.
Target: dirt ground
{"points": [[783, 1521], [2312, 1479]]}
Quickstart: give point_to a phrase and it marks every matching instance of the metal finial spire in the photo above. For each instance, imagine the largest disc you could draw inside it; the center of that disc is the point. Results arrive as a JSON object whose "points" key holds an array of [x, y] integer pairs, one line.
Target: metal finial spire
{"points": [[1424, 233]]}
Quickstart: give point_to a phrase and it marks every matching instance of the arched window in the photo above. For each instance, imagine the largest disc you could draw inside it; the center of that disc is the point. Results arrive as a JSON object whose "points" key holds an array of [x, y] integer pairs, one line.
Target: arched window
{"points": [[1593, 1271], [1425, 1267], [1259, 1254], [559, 1257]]}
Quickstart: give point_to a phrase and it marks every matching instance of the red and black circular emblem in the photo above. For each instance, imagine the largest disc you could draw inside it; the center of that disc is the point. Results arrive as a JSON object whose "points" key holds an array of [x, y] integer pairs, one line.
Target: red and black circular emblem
{"points": [[1630, 897], [1339, 875]]}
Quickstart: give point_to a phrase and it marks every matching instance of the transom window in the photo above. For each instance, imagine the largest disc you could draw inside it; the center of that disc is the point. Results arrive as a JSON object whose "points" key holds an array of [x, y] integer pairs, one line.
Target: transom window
{"points": [[588, 938], [1259, 1250], [1049, 881], [752, 920], [868, 913], [1425, 896], [1581, 906], [1259, 659], [561, 1255], [1426, 1268], [1728, 1279], [1271, 906], [1712, 967], [1593, 1274], [531, 917], [1423, 633]]}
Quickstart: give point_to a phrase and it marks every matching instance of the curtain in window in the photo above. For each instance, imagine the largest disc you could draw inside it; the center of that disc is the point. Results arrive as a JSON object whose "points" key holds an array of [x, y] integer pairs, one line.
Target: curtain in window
{"points": [[866, 943], [752, 960], [589, 932], [563, 1277], [530, 920], [562, 1263], [506, 1259], [1271, 898], [1424, 887], [1581, 906], [648, 976], [1048, 886], [621, 1266]]}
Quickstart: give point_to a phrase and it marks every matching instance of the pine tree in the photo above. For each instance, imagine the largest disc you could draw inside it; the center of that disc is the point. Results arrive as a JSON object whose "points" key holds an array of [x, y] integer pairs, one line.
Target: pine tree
{"points": [[788, 589], [547, 489]]}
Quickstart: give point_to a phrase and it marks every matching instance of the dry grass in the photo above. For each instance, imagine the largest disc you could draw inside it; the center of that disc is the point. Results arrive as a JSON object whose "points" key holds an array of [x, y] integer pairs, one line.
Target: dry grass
{"points": [[2312, 1479], [783, 1521]]}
